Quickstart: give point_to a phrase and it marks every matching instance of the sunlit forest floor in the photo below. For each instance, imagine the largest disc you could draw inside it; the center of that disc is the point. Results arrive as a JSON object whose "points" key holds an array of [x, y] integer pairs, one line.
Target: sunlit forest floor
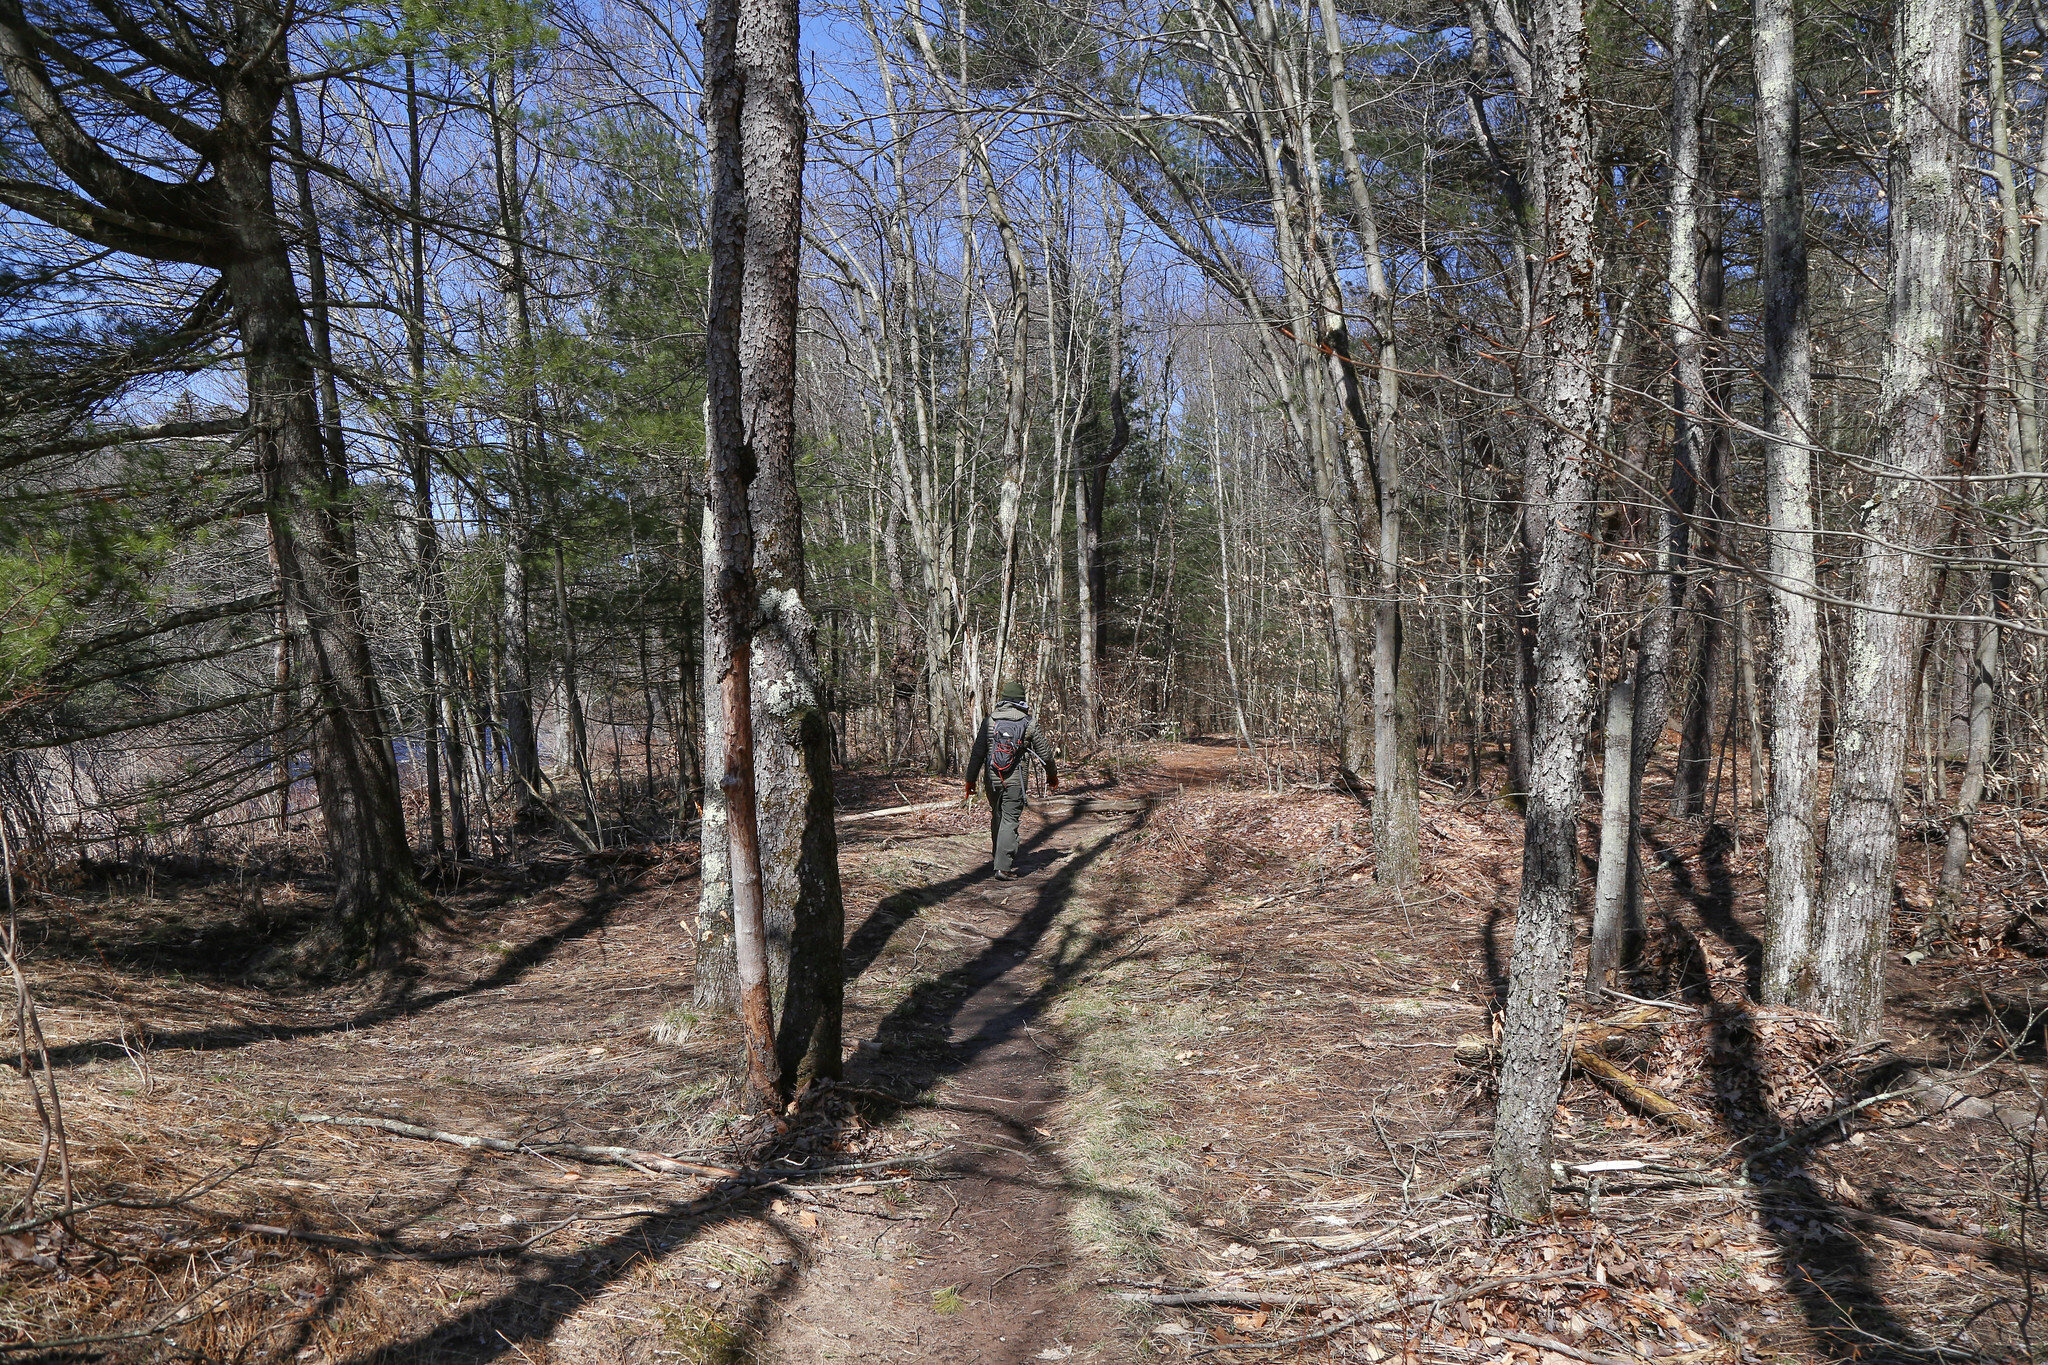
{"points": [[1192, 1086]]}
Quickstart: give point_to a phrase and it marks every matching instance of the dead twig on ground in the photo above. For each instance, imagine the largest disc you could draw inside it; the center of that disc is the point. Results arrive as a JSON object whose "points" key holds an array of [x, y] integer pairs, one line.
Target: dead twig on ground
{"points": [[1435, 1301], [1378, 1248], [1563, 1349]]}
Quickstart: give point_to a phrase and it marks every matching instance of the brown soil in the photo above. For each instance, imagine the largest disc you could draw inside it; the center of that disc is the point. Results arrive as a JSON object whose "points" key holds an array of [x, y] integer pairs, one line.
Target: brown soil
{"points": [[990, 1276], [1191, 1049]]}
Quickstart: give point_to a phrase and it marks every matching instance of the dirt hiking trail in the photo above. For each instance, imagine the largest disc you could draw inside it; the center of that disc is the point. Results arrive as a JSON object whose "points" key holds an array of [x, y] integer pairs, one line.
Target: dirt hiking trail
{"points": [[987, 1274], [1189, 1088]]}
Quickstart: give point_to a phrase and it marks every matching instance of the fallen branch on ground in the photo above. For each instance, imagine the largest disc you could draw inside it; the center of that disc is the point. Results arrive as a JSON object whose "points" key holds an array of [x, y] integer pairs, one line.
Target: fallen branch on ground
{"points": [[1935, 1239], [1238, 1298], [1095, 805], [1435, 1301], [1552, 1344], [856, 817], [360, 1247], [1356, 1254], [652, 1163], [1632, 1092]]}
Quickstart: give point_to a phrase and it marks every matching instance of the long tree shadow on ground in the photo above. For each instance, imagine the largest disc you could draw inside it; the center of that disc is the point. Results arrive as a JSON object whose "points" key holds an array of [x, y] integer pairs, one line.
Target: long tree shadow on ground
{"points": [[399, 1001], [1715, 903], [1827, 1270], [553, 1287]]}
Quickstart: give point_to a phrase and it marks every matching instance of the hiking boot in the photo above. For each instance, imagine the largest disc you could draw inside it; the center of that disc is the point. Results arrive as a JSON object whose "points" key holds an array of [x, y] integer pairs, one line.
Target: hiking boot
{"points": [[1006, 876]]}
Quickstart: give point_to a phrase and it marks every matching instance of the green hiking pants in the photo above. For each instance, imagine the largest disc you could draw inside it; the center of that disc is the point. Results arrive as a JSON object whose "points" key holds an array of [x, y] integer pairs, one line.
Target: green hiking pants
{"points": [[1005, 813]]}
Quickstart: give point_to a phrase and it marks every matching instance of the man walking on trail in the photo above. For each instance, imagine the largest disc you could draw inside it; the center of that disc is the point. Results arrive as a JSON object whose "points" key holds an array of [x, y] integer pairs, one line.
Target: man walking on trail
{"points": [[1005, 737]]}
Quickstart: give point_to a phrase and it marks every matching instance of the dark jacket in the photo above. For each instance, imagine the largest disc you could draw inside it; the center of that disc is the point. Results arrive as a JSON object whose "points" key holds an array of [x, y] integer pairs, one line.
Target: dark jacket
{"points": [[1034, 742]]}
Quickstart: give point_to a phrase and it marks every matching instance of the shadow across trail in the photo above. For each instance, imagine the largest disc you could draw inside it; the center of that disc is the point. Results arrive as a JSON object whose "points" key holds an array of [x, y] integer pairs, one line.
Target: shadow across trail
{"points": [[952, 1026]]}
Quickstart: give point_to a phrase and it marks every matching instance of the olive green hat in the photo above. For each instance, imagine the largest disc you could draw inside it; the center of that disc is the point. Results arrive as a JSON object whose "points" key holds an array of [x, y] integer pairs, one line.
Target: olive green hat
{"points": [[1012, 691]]}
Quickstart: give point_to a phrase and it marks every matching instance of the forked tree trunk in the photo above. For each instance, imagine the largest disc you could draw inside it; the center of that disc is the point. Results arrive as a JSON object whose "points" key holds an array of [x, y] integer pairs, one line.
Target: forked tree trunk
{"points": [[1532, 1044], [1842, 974]]}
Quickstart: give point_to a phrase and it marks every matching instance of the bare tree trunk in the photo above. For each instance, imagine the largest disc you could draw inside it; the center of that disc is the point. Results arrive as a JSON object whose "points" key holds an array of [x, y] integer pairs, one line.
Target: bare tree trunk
{"points": [[901, 633], [437, 646], [1704, 579], [1611, 883], [1397, 801], [1790, 908], [522, 743], [1532, 1045], [1091, 499], [729, 629], [572, 676], [1984, 670], [1752, 722], [1244, 733], [793, 755], [1842, 976]]}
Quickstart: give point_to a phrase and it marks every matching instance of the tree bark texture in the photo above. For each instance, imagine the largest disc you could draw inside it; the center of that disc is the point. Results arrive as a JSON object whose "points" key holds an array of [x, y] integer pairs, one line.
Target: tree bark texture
{"points": [[729, 627], [716, 986], [793, 738], [1532, 1048], [1842, 975], [1790, 840]]}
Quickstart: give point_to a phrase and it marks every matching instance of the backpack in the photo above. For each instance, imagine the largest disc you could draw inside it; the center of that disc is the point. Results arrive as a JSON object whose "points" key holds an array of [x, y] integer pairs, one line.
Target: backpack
{"points": [[1006, 746]]}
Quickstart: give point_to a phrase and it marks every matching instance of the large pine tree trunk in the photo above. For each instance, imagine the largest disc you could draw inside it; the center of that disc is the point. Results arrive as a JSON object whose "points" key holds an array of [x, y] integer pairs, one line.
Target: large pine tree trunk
{"points": [[1842, 976], [376, 895], [1532, 1045]]}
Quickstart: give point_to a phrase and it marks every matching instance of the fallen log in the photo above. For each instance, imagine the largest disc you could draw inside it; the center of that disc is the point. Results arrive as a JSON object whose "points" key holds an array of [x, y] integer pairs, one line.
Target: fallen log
{"points": [[855, 817], [1628, 1034], [1632, 1092], [653, 1162], [1938, 1239]]}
